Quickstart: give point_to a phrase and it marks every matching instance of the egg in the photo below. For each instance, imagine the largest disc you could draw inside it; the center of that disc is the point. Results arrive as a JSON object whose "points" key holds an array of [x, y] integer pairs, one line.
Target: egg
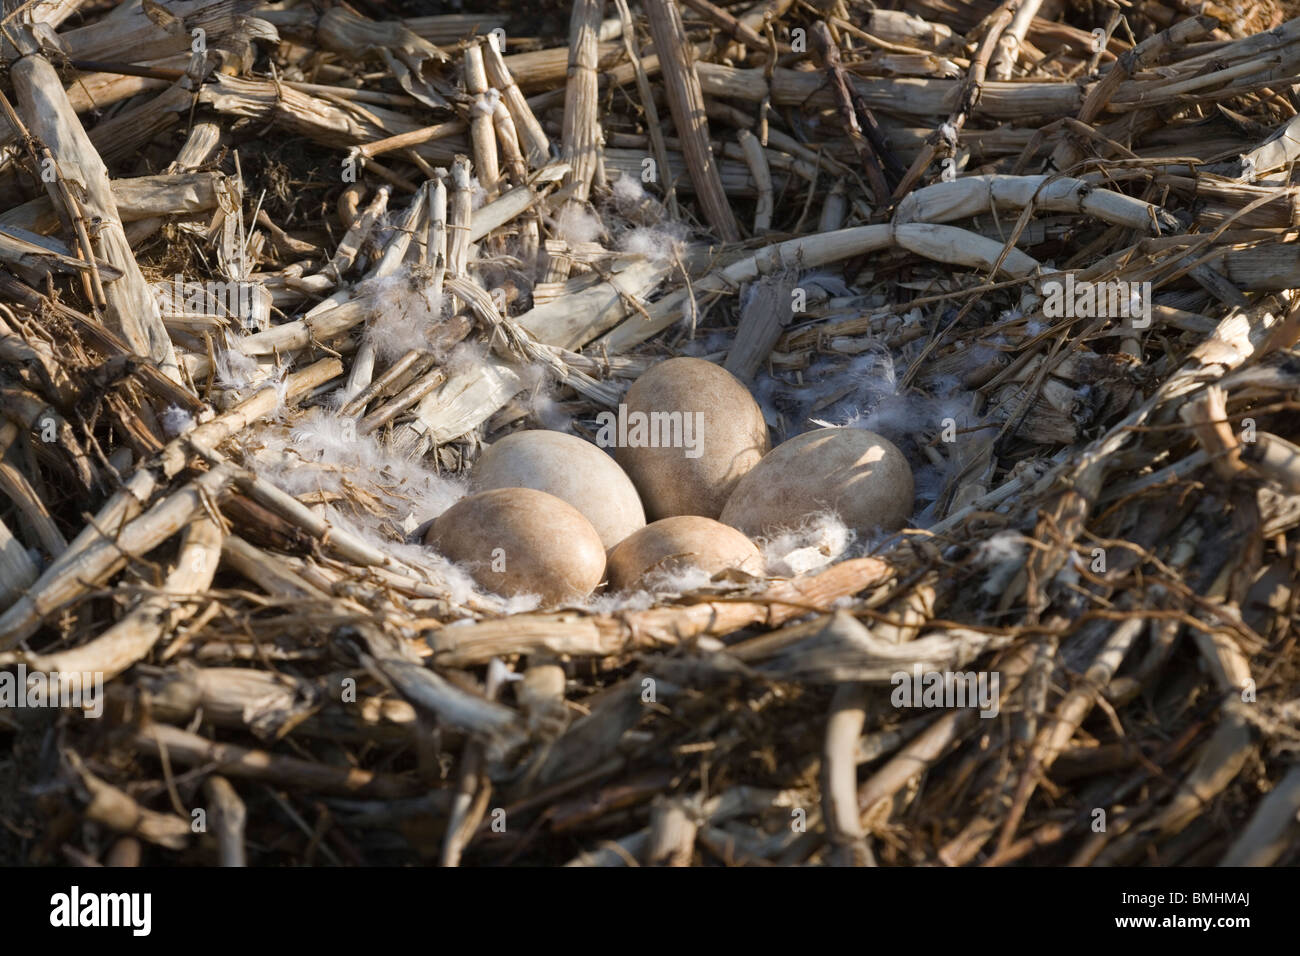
{"points": [[686, 432], [573, 470], [521, 541], [672, 545], [855, 473]]}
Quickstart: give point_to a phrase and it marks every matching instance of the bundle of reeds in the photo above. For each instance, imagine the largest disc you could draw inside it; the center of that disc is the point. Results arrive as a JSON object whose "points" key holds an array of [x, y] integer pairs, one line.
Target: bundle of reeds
{"points": [[273, 278]]}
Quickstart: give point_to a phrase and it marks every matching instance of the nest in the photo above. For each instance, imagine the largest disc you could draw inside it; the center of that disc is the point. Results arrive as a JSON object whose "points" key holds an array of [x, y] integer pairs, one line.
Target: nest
{"points": [[271, 277]]}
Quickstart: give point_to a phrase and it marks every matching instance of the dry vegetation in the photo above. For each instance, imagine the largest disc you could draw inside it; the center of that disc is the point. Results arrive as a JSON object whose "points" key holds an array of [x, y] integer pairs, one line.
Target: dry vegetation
{"points": [[216, 502]]}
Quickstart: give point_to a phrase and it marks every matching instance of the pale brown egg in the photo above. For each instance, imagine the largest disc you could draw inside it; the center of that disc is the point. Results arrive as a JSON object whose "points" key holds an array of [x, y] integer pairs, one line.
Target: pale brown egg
{"points": [[852, 472], [686, 432], [573, 470], [522, 541], [672, 545]]}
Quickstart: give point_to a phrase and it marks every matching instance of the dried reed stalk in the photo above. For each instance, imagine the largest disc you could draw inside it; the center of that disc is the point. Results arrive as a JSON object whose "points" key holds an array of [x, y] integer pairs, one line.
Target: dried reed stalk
{"points": [[83, 568], [75, 163], [582, 136], [135, 635], [532, 137], [686, 102], [482, 131], [1012, 38], [242, 763]]}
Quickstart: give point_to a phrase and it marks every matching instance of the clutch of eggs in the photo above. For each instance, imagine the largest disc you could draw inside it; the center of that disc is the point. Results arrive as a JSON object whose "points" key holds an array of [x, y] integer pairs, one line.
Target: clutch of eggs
{"points": [[551, 513]]}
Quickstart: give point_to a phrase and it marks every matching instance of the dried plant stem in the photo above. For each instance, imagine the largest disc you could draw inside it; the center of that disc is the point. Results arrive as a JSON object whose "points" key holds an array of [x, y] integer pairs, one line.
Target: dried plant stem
{"points": [[119, 811], [50, 118], [1009, 44], [872, 149], [67, 579], [482, 132], [229, 760], [603, 634], [942, 243], [970, 95], [18, 489], [839, 789], [532, 137], [653, 126], [435, 242], [686, 102], [459, 216], [1272, 829], [17, 569], [228, 815], [132, 638], [582, 135], [508, 138], [756, 158]]}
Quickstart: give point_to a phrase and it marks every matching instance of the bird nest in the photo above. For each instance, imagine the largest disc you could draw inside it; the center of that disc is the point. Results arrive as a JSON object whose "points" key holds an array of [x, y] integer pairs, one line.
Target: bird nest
{"points": [[272, 277]]}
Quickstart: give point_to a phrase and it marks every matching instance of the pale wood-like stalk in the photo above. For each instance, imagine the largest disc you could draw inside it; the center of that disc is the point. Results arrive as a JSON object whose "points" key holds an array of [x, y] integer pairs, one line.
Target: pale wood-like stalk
{"points": [[482, 132], [686, 101], [131, 307]]}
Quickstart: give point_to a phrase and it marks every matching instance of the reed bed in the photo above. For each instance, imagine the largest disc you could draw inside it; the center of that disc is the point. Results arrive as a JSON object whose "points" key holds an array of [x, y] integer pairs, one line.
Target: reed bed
{"points": [[272, 278]]}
